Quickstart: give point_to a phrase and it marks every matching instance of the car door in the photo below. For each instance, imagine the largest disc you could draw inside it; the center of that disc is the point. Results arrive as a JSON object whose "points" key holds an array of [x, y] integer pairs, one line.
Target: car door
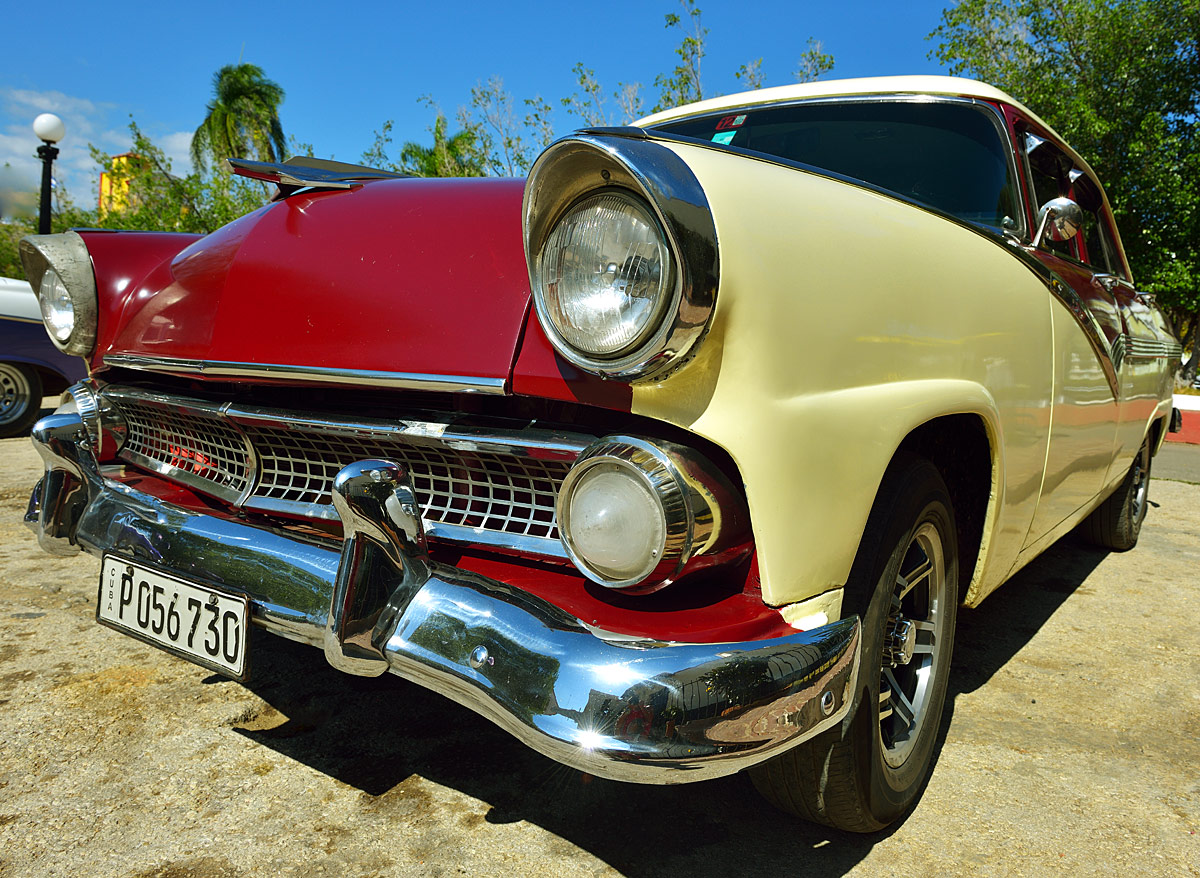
{"points": [[1089, 331]]}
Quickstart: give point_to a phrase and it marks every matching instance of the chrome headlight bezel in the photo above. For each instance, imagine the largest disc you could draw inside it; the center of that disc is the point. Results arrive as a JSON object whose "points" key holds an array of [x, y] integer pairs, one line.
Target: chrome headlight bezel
{"points": [[702, 515], [65, 258], [626, 159]]}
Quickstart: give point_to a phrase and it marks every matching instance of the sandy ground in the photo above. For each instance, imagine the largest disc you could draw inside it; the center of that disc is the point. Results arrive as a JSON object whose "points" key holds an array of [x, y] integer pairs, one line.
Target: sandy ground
{"points": [[1072, 747]]}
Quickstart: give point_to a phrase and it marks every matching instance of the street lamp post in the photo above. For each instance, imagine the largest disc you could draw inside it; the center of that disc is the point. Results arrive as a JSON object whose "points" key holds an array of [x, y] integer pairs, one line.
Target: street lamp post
{"points": [[50, 130]]}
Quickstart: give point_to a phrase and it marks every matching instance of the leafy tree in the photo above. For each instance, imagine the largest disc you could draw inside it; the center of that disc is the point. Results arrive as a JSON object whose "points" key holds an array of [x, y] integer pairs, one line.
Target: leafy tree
{"points": [[682, 85], [492, 118], [814, 62], [154, 198], [589, 102], [750, 75], [1120, 80], [242, 119], [451, 155]]}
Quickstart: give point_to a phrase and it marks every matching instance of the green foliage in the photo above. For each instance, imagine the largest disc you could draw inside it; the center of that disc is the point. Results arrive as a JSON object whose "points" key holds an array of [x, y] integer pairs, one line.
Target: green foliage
{"points": [[148, 196], [508, 145], [588, 104], [151, 196], [682, 85], [1120, 80], [814, 62], [242, 119], [455, 155], [750, 75]]}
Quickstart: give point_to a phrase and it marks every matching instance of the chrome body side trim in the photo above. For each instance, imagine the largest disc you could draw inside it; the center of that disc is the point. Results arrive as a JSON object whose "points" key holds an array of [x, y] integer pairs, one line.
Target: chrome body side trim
{"points": [[310, 374], [1137, 348], [563, 687]]}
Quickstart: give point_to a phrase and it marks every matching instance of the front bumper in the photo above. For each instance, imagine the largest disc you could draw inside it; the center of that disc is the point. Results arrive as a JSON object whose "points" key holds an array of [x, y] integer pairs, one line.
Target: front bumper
{"points": [[617, 707]]}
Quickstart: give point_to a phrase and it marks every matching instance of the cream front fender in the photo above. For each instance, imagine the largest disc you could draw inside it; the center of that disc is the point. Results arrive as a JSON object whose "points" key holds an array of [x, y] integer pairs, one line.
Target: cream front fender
{"points": [[824, 460]]}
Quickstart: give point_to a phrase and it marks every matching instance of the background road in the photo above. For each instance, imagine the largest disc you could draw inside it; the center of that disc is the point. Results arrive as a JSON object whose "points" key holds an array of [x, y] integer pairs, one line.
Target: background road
{"points": [[1072, 746]]}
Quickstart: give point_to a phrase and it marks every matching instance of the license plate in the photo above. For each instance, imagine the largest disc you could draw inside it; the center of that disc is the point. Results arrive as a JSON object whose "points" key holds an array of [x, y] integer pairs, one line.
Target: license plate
{"points": [[194, 621]]}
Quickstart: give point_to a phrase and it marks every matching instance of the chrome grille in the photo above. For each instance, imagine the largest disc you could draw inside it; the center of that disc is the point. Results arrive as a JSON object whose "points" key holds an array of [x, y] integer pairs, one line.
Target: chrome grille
{"points": [[496, 492], [194, 441], [496, 488]]}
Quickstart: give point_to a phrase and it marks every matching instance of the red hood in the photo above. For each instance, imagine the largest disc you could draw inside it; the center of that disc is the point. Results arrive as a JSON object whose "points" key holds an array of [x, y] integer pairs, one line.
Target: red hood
{"points": [[417, 276]]}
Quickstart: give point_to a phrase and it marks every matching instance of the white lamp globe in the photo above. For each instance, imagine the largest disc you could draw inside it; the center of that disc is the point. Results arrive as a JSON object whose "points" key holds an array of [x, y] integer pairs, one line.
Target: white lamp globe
{"points": [[49, 128]]}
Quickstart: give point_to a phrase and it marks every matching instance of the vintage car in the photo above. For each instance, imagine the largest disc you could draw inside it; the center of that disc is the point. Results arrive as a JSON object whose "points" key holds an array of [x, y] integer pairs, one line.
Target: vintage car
{"points": [[30, 366], [674, 459]]}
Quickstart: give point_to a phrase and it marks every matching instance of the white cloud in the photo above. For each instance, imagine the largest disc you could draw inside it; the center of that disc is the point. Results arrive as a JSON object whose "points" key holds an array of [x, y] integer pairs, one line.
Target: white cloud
{"points": [[178, 148], [87, 122]]}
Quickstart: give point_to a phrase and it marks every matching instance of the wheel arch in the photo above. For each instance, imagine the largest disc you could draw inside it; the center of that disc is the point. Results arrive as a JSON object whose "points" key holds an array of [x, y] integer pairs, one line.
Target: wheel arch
{"points": [[962, 448]]}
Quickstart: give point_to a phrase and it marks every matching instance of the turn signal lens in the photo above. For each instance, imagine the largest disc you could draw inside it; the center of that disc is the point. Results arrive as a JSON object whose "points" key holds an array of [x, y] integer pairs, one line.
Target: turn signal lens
{"points": [[615, 522], [58, 310]]}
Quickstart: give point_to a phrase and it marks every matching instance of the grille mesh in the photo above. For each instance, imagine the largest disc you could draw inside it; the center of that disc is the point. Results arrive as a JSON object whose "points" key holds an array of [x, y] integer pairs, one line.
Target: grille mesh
{"points": [[473, 489], [496, 492], [196, 442]]}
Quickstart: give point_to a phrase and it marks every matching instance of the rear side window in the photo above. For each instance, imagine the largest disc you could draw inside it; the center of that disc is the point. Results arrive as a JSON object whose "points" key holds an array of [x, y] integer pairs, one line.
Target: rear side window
{"points": [[947, 155]]}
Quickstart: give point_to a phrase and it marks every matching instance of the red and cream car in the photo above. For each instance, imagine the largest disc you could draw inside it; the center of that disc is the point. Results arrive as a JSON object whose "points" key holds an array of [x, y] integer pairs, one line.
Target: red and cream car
{"points": [[674, 459]]}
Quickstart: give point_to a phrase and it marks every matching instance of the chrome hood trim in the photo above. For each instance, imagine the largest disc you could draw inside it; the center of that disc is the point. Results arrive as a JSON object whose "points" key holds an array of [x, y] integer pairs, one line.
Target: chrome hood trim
{"points": [[310, 374]]}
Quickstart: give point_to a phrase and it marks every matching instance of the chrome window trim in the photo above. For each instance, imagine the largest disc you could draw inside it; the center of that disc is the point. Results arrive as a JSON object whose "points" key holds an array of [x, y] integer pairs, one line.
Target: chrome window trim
{"points": [[990, 109], [311, 374]]}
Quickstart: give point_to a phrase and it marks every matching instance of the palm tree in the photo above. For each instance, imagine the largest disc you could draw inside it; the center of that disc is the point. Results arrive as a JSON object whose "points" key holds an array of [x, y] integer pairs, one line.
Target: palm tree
{"points": [[454, 156], [242, 120]]}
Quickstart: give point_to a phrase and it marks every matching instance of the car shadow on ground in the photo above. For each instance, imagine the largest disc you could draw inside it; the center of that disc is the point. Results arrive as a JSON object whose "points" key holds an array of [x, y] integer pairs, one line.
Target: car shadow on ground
{"points": [[375, 734]]}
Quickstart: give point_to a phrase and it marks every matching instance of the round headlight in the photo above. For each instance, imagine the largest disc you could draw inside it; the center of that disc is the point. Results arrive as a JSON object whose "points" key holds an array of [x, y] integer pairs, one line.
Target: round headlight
{"points": [[58, 310], [613, 522], [604, 275]]}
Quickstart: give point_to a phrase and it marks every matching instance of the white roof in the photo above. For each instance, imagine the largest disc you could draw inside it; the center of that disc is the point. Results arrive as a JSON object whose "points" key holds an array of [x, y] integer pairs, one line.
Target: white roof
{"points": [[935, 85], [18, 300]]}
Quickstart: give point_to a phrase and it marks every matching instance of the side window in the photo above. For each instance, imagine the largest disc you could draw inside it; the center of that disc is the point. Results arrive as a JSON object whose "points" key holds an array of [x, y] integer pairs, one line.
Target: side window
{"points": [[1101, 248], [1050, 176]]}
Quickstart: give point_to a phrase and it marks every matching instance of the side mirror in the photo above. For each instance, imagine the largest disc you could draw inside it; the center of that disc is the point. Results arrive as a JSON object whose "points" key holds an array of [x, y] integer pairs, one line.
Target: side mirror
{"points": [[1059, 219]]}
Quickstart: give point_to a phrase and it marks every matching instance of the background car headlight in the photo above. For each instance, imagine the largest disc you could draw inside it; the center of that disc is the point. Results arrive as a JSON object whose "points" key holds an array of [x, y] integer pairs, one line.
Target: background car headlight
{"points": [[58, 311], [604, 274]]}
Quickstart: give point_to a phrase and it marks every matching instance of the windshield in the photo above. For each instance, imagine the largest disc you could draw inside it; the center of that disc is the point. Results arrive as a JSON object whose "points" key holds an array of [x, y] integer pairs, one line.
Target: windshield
{"points": [[947, 155]]}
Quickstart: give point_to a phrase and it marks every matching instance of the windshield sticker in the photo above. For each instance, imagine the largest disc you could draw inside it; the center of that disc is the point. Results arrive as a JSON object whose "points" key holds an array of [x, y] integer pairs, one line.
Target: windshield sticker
{"points": [[723, 137], [731, 122]]}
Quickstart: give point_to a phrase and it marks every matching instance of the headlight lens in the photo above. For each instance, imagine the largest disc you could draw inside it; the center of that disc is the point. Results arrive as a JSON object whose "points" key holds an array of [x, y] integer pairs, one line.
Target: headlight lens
{"points": [[614, 523], [604, 275], [58, 310]]}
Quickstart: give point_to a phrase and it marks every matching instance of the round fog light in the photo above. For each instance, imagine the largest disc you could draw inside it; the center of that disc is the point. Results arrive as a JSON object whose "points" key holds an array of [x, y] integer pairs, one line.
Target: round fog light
{"points": [[613, 522]]}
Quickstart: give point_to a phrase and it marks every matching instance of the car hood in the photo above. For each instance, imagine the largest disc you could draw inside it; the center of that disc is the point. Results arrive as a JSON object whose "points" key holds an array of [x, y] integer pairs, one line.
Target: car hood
{"points": [[399, 276]]}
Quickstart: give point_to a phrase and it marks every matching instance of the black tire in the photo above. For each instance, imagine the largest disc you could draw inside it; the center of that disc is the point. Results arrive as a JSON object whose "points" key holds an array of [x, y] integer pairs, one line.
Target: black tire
{"points": [[867, 772], [1117, 522], [20, 398]]}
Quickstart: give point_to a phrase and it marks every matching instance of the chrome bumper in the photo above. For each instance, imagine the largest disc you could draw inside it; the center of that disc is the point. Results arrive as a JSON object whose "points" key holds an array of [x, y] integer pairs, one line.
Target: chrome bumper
{"points": [[615, 706]]}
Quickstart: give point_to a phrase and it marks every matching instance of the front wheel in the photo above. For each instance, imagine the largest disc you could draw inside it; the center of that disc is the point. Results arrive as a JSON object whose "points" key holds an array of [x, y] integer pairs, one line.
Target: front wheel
{"points": [[20, 398], [866, 773]]}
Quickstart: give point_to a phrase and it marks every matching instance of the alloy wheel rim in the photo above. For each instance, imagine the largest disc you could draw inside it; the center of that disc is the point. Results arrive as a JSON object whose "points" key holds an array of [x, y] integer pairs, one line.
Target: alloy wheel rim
{"points": [[912, 645], [14, 393], [1137, 499]]}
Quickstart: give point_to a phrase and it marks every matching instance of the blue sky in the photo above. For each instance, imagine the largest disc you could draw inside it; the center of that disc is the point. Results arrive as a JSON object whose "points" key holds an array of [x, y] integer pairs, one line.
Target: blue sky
{"points": [[347, 68]]}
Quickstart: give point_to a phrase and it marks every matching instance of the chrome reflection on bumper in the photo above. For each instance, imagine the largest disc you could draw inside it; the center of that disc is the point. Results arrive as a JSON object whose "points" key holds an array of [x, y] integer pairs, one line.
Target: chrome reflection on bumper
{"points": [[615, 706]]}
